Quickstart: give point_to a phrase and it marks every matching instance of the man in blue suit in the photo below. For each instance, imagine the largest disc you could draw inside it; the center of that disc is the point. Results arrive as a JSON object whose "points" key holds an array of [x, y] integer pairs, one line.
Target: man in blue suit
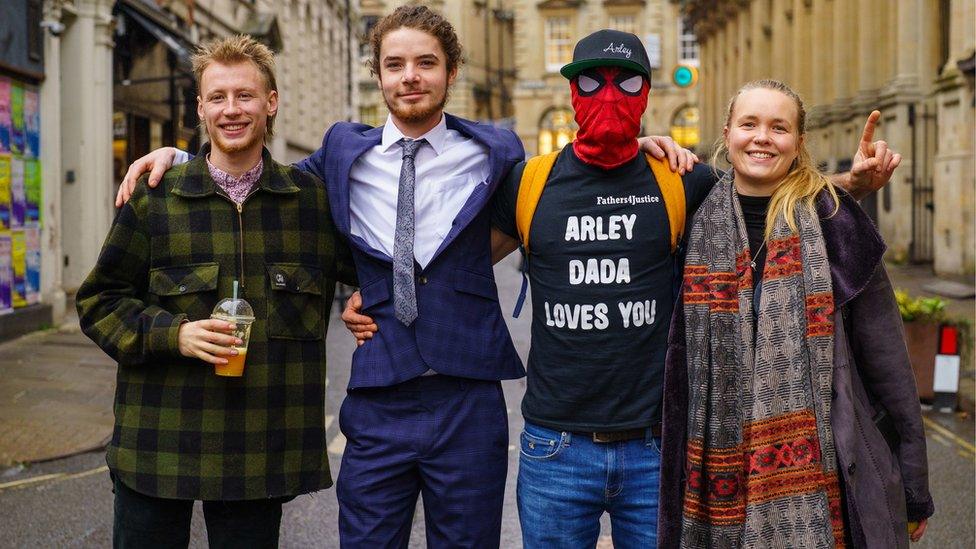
{"points": [[425, 412]]}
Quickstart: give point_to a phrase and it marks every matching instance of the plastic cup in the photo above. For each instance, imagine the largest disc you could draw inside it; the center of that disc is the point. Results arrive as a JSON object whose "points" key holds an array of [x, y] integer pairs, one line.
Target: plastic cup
{"points": [[239, 313]]}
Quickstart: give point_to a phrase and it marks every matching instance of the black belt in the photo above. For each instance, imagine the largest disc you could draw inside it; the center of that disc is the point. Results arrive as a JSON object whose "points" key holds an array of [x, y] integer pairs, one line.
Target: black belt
{"points": [[629, 434]]}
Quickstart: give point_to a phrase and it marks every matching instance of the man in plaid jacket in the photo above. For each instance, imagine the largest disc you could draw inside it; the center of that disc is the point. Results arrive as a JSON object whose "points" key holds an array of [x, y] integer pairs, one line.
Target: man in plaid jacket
{"points": [[242, 445]]}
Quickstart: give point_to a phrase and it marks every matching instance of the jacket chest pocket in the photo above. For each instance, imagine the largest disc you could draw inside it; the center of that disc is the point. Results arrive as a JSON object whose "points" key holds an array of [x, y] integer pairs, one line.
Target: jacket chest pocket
{"points": [[295, 302], [189, 289]]}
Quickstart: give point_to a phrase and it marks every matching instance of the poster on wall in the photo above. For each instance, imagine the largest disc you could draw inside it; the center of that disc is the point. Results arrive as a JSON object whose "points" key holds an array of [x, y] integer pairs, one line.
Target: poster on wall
{"points": [[5, 125], [6, 273], [32, 275], [18, 260], [16, 118], [32, 124], [18, 198], [4, 191], [32, 191]]}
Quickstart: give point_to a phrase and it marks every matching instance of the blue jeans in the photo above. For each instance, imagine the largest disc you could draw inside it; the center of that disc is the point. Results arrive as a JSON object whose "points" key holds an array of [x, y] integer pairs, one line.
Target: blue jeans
{"points": [[566, 482]]}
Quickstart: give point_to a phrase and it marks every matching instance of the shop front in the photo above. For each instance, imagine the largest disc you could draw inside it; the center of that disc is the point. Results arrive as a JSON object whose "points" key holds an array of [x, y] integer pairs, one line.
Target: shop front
{"points": [[21, 183]]}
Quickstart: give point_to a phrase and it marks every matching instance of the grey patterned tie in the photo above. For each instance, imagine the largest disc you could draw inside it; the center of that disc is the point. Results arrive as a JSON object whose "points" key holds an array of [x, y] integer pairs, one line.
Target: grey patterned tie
{"points": [[404, 292]]}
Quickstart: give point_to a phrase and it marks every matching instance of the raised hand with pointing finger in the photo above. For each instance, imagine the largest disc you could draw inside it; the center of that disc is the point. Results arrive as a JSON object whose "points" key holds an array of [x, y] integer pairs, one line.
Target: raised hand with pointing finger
{"points": [[873, 163]]}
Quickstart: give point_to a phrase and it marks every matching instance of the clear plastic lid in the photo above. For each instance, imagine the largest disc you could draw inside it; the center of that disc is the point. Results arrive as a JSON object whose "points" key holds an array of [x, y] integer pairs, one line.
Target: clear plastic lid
{"points": [[238, 309]]}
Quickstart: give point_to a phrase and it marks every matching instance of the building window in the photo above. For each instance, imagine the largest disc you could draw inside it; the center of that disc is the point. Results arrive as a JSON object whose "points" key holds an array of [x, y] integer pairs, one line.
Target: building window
{"points": [[624, 23], [684, 127], [687, 44], [556, 130], [367, 22], [559, 43]]}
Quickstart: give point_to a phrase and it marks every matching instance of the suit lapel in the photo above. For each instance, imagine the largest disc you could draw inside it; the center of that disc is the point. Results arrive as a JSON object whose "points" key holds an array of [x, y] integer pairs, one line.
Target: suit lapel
{"points": [[479, 197], [350, 147]]}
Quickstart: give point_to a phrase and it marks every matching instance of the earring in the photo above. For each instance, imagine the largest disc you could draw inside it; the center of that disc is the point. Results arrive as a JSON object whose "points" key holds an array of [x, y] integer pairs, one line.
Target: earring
{"points": [[727, 161], [793, 165]]}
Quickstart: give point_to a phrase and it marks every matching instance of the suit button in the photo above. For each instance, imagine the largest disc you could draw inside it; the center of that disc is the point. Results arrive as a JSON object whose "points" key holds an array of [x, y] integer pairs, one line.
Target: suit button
{"points": [[851, 468], [422, 279], [182, 288]]}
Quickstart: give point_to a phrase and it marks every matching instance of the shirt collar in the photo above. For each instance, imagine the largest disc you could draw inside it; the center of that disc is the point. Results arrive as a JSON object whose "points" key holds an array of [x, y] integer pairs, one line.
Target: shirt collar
{"points": [[249, 178], [435, 136]]}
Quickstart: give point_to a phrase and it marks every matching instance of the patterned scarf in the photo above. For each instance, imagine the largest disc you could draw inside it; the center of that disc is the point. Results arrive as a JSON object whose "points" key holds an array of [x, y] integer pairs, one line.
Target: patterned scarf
{"points": [[760, 458]]}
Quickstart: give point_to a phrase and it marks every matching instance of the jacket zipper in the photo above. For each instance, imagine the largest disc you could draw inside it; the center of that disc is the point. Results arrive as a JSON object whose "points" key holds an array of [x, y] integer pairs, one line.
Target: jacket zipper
{"points": [[240, 225]]}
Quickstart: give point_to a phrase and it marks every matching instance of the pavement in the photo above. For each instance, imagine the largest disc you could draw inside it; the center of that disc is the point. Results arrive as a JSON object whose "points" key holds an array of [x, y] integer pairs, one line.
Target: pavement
{"points": [[56, 387]]}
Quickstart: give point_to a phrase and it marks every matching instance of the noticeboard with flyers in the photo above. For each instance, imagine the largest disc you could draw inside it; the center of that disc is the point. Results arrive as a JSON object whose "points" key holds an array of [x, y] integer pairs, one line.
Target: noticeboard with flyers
{"points": [[21, 193]]}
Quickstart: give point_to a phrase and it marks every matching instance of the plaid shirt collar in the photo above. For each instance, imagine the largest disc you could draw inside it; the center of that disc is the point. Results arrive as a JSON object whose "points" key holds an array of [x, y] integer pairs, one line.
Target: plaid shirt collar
{"points": [[195, 181]]}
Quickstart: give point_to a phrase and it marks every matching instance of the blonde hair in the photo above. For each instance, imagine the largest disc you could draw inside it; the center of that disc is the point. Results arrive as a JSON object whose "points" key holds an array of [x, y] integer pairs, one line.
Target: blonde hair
{"points": [[238, 49], [803, 182]]}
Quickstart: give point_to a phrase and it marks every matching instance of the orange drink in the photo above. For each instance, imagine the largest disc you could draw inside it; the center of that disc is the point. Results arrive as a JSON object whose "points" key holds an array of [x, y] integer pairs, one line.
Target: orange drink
{"points": [[239, 313], [234, 366]]}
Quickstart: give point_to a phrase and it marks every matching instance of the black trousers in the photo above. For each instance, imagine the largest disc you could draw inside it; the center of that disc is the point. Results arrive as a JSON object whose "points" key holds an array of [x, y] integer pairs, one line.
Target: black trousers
{"points": [[146, 522]]}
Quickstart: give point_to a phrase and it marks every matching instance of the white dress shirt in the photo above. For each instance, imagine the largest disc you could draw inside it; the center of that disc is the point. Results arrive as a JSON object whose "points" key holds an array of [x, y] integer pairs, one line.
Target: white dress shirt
{"points": [[448, 169]]}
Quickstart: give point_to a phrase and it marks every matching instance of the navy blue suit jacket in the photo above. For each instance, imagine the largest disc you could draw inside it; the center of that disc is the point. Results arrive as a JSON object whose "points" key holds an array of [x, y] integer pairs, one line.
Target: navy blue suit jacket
{"points": [[460, 330]]}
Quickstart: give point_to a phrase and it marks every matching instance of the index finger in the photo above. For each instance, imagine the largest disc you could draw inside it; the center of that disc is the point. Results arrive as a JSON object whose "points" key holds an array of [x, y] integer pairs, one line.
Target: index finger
{"points": [[214, 325], [673, 157], [350, 316], [867, 136], [135, 170], [120, 197], [651, 147]]}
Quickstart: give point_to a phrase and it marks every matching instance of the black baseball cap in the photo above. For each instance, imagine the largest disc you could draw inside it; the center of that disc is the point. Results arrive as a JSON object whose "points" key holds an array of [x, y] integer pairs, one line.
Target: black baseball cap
{"points": [[608, 48]]}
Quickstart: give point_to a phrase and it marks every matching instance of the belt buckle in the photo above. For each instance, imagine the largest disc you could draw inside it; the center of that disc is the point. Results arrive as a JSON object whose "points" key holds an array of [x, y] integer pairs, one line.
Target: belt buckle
{"points": [[603, 437]]}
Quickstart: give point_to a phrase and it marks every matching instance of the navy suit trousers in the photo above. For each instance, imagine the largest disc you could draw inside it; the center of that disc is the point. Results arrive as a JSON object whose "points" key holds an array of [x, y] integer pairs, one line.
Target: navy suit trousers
{"points": [[441, 437]]}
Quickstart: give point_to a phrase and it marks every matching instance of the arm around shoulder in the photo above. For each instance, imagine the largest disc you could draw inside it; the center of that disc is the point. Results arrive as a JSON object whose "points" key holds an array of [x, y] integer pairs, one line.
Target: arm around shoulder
{"points": [[315, 162]]}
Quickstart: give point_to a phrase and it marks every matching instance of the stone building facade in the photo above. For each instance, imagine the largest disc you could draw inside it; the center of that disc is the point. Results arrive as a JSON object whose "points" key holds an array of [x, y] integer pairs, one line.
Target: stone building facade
{"points": [[545, 33], [911, 59], [483, 89], [114, 82]]}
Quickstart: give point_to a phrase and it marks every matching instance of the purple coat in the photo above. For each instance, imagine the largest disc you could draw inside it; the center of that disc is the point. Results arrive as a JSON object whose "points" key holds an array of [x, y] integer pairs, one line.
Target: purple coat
{"points": [[872, 373]]}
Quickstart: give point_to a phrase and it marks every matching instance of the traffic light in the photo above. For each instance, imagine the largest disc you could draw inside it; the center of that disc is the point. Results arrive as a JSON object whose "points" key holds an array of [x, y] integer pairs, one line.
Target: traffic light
{"points": [[684, 76]]}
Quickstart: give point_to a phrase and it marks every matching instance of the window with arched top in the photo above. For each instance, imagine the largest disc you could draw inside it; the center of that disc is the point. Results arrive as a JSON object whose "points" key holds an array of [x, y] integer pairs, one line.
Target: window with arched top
{"points": [[556, 129], [684, 126]]}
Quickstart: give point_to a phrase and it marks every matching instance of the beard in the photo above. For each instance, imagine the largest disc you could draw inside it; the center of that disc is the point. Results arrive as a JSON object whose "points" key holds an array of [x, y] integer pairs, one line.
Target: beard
{"points": [[418, 112], [218, 142]]}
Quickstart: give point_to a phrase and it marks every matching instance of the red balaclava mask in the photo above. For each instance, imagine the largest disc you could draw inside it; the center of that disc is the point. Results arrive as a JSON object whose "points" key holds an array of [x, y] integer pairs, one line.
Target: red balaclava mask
{"points": [[609, 102]]}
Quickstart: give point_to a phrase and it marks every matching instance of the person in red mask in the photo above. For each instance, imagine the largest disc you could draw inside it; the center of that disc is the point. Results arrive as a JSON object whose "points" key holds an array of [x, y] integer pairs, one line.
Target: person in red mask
{"points": [[609, 102], [601, 267]]}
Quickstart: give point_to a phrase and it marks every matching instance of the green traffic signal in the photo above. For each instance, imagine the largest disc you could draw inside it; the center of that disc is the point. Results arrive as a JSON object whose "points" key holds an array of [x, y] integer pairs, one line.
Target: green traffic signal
{"points": [[685, 76]]}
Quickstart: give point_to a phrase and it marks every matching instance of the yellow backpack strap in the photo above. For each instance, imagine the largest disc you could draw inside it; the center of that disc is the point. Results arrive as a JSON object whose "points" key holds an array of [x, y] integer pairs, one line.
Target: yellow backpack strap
{"points": [[673, 193], [530, 190]]}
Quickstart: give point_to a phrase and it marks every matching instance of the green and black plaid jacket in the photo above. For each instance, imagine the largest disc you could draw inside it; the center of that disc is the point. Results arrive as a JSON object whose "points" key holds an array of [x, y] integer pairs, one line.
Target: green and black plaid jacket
{"points": [[174, 251]]}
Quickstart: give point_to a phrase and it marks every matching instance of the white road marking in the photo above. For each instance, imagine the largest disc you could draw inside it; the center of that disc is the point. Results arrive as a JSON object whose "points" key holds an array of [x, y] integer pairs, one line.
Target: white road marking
{"points": [[52, 477]]}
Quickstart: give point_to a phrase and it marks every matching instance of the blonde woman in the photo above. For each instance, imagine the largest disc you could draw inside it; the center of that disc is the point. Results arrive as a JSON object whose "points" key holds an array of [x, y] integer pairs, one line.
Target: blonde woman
{"points": [[787, 360]]}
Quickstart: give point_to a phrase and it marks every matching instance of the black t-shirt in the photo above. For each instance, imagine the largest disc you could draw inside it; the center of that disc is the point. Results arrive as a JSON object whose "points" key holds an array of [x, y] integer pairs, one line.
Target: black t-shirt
{"points": [[754, 214], [602, 277]]}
